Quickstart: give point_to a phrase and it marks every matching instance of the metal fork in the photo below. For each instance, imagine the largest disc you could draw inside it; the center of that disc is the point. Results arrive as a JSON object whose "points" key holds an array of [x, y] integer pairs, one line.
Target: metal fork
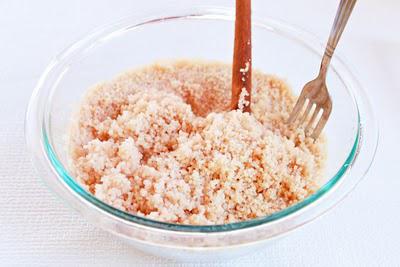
{"points": [[315, 92]]}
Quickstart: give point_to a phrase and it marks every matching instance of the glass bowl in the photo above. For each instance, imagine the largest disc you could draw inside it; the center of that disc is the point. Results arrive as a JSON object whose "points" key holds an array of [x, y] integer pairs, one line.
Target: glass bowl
{"points": [[197, 33]]}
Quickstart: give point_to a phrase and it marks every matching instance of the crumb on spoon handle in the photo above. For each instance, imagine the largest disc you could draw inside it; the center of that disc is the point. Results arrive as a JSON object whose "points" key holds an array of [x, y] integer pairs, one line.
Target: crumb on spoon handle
{"points": [[241, 67]]}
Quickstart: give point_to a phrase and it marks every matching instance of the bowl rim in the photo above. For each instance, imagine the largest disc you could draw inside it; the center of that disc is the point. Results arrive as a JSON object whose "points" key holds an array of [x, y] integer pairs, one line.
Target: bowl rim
{"points": [[46, 151]]}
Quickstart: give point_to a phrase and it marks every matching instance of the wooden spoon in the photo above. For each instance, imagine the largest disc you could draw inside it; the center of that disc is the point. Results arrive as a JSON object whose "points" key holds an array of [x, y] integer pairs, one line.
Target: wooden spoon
{"points": [[241, 68]]}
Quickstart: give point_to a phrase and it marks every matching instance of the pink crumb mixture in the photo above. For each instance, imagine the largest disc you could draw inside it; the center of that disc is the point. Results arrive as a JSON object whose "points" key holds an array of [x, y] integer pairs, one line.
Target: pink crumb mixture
{"points": [[158, 142]]}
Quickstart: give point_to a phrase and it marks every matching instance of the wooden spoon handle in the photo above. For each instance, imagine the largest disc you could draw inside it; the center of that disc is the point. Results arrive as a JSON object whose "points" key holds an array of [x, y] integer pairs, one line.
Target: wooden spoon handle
{"points": [[241, 68]]}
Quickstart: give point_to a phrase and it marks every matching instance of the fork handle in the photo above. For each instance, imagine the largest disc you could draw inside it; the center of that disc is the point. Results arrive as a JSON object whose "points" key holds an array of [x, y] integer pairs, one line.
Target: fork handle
{"points": [[342, 16]]}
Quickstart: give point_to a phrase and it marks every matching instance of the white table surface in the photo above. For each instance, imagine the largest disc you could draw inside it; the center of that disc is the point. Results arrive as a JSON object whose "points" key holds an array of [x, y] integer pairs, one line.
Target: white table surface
{"points": [[37, 229]]}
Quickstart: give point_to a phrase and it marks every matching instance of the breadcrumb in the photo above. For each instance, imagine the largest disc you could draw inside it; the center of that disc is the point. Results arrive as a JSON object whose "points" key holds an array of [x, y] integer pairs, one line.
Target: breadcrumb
{"points": [[160, 142], [242, 99]]}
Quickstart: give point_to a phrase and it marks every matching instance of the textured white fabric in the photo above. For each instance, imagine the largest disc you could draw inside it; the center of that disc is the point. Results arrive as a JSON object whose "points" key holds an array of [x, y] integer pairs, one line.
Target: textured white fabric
{"points": [[36, 228]]}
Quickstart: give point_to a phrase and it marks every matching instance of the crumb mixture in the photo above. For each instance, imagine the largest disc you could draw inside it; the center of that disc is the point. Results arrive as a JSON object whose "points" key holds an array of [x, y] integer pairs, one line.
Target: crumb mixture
{"points": [[160, 142]]}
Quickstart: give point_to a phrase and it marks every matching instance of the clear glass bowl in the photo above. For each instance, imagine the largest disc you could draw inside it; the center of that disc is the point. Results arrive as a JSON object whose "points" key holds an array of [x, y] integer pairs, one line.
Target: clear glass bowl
{"points": [[205, 33]]}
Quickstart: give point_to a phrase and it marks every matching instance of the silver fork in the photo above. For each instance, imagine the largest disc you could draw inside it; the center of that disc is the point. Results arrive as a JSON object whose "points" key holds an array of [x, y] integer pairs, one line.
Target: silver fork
{"points": [[316, 91]]}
